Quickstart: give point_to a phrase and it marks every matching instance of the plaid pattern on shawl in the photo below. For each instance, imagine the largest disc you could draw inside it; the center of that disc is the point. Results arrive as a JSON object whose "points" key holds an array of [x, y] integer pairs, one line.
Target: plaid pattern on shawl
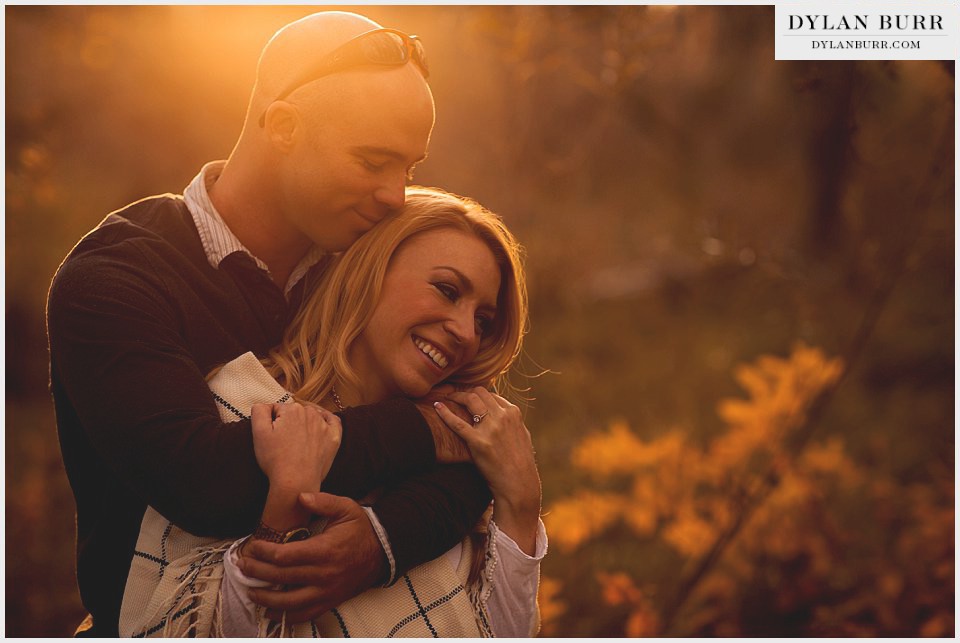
{"points": [[173, 587]]}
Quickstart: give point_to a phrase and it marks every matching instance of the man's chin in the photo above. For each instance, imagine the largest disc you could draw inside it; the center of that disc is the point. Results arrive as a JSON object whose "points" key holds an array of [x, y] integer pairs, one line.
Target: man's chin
{"points": [[339, 243], [368, 221]]}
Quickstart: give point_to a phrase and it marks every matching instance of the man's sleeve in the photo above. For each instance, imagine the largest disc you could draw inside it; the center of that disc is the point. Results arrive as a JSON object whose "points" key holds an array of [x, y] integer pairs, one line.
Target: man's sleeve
{"points": [[429, 513], [119, 356], [368, 458]]}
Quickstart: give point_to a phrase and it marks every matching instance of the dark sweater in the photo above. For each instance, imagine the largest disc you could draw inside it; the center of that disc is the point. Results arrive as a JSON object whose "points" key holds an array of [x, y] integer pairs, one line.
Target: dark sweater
{"points": [[136, 318]]}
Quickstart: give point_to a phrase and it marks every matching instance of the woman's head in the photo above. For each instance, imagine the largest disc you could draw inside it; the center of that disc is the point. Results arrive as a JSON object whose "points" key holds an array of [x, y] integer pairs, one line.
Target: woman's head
{"points": [[435, 292]]}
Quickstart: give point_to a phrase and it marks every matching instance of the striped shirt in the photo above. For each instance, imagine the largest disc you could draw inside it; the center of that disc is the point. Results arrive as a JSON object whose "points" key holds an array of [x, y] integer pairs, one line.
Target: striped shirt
{"points": [[215, 235]]}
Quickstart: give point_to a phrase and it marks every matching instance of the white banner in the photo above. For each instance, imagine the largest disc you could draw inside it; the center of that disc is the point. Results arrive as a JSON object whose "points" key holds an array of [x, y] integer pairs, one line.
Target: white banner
{"points": [[868, 30]]}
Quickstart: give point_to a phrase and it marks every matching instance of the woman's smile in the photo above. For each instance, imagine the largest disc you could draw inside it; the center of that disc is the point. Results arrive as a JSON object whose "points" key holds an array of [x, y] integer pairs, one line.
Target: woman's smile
{"points": [[436, 356]]}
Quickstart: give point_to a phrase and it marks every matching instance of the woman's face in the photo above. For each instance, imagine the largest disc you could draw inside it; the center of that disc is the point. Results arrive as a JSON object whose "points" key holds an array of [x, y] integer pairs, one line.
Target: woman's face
{"points": [[439, 295]]}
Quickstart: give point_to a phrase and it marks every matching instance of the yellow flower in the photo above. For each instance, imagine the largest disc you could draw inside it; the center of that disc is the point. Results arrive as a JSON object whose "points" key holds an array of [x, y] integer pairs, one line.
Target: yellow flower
{"points": [[574, 520], [616, 451], [618, 589], [690, 534]]}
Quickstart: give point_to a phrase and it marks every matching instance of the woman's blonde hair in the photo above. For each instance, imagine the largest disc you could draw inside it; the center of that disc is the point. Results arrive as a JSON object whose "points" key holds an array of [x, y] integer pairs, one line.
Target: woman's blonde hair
{"points": [[313, 354]]}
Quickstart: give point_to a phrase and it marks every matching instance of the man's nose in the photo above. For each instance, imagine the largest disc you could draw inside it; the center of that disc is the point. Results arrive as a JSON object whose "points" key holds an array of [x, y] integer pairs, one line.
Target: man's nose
{"points": [[391, 192]]}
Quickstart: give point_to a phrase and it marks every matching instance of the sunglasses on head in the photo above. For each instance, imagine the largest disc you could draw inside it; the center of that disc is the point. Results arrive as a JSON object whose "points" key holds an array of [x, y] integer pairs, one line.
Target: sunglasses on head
{"points": [[378, 47]]}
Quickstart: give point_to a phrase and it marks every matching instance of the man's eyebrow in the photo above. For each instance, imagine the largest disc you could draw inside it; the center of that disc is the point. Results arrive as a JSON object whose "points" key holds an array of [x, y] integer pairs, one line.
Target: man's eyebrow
{"points": [[386, 151], [466, 282]]}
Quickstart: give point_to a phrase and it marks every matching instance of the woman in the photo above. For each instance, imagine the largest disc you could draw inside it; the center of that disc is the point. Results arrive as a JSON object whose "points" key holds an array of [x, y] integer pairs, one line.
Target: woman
{"points": [[435, 293]]}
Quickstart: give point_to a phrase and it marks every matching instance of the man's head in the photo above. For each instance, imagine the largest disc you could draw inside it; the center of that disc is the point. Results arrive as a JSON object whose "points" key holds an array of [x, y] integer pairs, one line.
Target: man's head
{"points": [[337, 129]]}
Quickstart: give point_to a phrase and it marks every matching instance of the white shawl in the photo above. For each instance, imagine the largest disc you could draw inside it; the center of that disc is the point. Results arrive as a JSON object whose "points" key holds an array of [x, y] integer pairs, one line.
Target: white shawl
{"points": [[173, 588]]}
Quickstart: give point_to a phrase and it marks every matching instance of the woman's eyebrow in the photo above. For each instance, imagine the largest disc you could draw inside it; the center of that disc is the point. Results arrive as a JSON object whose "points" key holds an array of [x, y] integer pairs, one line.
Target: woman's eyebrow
{"points": [[462, 277], [467, 284]]}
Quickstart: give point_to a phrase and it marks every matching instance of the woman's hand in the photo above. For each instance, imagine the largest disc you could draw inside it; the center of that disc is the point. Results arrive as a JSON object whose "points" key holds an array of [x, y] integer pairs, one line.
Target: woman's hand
{"points": [[295, 444], [501, 448]]}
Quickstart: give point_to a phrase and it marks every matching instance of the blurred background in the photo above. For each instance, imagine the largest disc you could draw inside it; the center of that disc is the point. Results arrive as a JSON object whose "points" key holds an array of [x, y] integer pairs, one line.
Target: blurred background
{"points": [[742, 279]]}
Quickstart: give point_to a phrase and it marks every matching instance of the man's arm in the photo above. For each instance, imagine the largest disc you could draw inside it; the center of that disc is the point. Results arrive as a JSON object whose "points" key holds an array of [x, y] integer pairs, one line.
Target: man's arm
{"points": [[450, 499], [425, 516], [118, 354], [143, 402]]}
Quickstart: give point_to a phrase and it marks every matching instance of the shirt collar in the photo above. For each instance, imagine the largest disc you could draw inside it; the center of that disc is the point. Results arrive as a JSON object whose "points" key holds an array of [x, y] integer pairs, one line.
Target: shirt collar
{"points": [[215, 235]]}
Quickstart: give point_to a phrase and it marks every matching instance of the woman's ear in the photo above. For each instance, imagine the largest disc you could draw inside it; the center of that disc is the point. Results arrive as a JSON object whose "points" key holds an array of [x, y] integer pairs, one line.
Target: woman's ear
{"points": [[283, 124]]}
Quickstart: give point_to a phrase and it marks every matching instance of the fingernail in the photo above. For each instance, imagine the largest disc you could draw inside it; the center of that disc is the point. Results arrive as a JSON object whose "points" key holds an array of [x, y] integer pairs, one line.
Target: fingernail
{"points": [[438, 405]]}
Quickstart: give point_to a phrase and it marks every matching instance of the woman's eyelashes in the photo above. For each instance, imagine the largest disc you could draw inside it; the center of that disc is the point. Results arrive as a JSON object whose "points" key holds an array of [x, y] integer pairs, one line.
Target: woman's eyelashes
{"points": [[483, 322], [449, 291]]}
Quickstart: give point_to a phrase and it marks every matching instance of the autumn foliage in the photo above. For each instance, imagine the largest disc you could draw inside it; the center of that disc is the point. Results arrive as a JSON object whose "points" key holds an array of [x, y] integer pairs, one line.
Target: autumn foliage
{"points": [[687, 203], [795, 516]]}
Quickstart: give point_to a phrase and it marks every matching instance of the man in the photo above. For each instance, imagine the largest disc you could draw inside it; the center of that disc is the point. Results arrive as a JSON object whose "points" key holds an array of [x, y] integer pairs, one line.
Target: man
{"points": [[170, 287]]}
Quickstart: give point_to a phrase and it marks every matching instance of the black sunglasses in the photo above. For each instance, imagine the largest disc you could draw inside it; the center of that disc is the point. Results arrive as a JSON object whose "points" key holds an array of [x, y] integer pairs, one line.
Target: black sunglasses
{"points": [[386, 47]]}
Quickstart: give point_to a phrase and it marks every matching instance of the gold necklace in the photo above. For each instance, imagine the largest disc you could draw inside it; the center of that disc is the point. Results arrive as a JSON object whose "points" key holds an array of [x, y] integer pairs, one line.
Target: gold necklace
{"points": [[336, 398]]}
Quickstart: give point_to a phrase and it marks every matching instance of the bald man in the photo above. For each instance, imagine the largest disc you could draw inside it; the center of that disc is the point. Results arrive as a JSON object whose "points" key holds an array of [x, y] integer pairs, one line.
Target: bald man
{"points": [[171, 286]]}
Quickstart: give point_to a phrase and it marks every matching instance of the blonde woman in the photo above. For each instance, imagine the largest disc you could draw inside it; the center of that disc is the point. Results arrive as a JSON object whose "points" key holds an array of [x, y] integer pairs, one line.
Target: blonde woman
{"points": [[434, 294]]}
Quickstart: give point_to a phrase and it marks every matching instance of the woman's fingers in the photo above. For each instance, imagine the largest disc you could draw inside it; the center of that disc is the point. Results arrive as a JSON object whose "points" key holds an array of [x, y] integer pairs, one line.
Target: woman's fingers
{"points": [[453, 421], [480, 397], [474, 404], [295, 444], [491, 398], [295, 412], [261, 415], [313, 405], [470, 401]]}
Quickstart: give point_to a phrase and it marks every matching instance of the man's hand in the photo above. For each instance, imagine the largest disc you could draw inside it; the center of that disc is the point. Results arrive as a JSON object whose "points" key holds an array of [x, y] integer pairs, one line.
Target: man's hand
{"points": [[323, 571], [450, 447]]}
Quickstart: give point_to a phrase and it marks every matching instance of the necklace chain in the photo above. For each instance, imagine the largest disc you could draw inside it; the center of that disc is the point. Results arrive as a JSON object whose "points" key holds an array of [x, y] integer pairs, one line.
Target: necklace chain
{"points": [[336, 398]]}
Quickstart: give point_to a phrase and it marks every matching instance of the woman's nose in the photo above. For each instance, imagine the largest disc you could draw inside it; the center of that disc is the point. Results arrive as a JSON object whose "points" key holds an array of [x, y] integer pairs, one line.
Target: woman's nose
{"points": [[462, 326]]}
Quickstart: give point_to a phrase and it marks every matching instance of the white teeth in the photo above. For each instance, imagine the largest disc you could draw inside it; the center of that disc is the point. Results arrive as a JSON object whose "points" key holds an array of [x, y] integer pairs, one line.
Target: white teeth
{"points": [[430, 351]]}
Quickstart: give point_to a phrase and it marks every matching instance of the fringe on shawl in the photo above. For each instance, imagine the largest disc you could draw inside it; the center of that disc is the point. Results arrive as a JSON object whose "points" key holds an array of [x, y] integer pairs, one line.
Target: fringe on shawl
{"points": [[193, 607]]}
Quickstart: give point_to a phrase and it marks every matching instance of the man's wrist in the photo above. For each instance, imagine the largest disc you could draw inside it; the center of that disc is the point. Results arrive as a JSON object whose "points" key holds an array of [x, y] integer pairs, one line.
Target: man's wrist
{"points": [[389, 576], [280, 536]]}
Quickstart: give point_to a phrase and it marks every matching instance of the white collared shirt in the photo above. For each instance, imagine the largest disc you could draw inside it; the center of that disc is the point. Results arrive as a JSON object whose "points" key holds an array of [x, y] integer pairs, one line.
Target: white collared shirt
{"points": [[216, 236]]}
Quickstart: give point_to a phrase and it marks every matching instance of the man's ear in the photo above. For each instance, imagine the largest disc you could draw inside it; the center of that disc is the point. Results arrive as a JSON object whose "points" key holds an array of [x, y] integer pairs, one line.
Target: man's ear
{"points": [[282, 124]]}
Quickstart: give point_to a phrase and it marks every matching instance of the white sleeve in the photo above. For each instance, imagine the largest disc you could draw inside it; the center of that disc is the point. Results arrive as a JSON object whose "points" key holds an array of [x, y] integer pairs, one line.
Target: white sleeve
{"points": [[512, 602], [237, 612], [384, 542]]}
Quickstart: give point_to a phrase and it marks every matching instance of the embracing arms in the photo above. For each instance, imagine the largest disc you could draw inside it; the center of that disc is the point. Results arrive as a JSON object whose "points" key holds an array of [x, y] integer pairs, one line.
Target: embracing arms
{"points": [[132, 335], [517, 541]]}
